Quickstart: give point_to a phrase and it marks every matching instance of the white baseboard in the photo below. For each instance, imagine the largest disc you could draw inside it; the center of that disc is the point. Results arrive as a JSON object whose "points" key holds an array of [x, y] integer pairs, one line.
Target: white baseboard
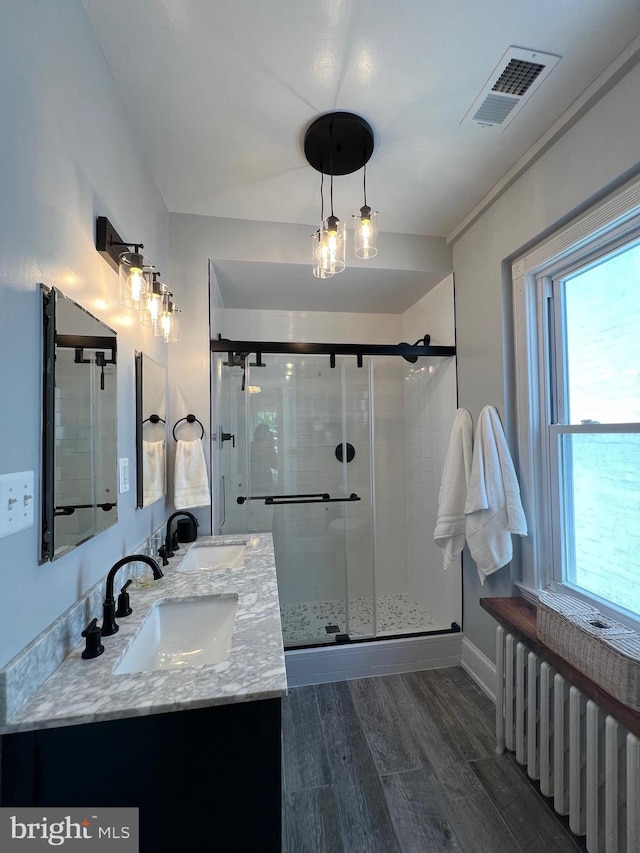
{"points": [[479, 667], [364, 660]]}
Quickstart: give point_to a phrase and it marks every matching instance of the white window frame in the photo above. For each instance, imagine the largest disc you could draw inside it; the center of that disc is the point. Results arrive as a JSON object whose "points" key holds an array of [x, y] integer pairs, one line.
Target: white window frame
{"points": [[610, 223]]}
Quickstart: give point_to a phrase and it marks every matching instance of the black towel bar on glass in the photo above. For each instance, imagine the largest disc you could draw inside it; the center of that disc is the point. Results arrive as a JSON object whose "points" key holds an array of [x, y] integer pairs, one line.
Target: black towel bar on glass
{"points": [[278, 500], [190, 419]]}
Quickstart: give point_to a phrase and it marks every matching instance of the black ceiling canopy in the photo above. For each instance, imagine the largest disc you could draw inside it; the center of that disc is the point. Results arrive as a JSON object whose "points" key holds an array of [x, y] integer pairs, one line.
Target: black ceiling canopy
{"points": [[338, 143]]}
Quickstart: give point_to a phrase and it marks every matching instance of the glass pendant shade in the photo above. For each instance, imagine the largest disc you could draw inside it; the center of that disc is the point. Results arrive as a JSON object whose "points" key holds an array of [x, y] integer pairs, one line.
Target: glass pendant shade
{"points": [[366, 233], [332, 245], [133, 283], [321, 265]]}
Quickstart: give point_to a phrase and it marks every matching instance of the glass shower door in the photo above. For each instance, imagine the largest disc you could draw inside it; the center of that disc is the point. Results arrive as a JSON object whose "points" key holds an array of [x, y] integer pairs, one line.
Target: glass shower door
{"points": [[301, 452]]}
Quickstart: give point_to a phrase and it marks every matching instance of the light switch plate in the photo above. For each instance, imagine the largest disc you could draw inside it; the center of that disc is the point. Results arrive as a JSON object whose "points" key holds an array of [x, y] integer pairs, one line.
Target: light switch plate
{"points": [[17, 502], [124, 475]]}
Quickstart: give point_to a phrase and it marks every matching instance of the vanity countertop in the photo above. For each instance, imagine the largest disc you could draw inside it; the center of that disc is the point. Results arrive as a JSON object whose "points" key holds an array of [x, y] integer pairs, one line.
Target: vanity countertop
{"points": [[87, 691]]}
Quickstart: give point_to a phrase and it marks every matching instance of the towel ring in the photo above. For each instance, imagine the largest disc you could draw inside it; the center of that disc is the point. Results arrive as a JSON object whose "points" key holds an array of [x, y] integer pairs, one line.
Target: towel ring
{"points": [[190, 419], [154, 419]]}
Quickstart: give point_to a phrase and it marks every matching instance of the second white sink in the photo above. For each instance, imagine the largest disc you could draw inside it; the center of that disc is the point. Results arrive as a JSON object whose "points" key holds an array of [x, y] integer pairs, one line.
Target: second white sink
{"points": [[180, 633], [209, 557]]}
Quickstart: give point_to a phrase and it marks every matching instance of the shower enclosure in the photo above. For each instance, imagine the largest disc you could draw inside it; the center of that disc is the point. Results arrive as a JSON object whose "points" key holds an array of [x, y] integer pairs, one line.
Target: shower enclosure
{"points": [[328, 452]]}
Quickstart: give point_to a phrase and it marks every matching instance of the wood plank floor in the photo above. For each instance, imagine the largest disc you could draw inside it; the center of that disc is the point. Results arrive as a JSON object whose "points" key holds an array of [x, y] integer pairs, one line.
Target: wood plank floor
{"points": [[406, 764]]}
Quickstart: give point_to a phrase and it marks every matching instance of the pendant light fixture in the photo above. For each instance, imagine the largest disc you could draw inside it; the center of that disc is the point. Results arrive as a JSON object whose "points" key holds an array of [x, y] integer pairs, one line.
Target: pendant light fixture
{"points": [[366, 230], [328, 241], [339, 143]]}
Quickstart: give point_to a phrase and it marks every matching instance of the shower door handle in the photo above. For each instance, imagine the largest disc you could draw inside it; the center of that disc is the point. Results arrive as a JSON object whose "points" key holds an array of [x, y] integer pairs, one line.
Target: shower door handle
{"points": [[269, 498], [278, 500], [226, 436]]}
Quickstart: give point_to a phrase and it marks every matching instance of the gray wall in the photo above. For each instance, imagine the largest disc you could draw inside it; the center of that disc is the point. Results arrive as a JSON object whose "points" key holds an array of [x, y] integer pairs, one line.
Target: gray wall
{"points": [[598, 152], [67, 156]]}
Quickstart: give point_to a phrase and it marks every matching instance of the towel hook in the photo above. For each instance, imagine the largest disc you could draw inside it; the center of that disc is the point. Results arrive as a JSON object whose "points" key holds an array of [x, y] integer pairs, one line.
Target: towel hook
{"points": [[190, 419], [154, 419]]}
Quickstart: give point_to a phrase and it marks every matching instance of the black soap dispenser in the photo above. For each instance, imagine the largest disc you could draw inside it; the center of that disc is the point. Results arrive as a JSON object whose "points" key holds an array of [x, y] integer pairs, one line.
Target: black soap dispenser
{"points": [[187, 530]]}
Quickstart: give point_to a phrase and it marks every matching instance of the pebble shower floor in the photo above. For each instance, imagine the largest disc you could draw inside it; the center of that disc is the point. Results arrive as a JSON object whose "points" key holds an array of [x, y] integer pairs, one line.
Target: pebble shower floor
{"points": [[396, 614]]}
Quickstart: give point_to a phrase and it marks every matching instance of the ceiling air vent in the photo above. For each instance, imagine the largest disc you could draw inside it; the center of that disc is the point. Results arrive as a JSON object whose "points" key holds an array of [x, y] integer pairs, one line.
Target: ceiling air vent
{"points": [[512, 82]]}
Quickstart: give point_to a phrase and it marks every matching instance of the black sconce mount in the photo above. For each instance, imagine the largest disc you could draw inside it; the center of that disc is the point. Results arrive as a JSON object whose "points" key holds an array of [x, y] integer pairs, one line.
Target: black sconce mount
{"points": [[109, 243]]}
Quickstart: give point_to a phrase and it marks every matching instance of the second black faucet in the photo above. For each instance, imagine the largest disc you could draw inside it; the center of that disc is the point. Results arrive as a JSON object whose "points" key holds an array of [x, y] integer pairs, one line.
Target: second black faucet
{"points": [[171, 539], [109, 624]]}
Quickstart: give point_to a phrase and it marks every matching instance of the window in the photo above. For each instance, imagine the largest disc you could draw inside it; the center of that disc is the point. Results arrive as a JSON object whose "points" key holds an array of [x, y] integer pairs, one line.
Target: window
{"points": [[577, 319]]}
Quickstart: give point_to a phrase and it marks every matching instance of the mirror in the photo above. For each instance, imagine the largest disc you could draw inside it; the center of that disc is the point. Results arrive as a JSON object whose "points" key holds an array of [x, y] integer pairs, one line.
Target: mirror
{"points": [[80, 399], [151, 430]]}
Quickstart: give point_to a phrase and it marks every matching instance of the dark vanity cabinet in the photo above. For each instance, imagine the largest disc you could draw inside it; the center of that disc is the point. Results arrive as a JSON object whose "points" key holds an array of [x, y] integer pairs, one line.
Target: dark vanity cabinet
{"points": [[204, 780]]}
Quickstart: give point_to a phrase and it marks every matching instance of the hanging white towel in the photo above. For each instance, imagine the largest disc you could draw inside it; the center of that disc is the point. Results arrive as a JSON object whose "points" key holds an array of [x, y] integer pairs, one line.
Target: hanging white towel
{"points": [[493, 508], [450, 531], [153, 471], [191, 484]]}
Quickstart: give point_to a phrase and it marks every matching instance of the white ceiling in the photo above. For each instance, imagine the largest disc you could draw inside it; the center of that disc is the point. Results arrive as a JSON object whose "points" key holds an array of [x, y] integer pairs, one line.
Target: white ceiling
{"points": [[220, 93]]}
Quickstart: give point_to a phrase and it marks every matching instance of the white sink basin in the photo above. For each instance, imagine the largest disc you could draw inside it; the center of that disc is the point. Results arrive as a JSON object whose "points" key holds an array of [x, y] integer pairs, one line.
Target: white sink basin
{"points": [[210, 557], [180, 633]]}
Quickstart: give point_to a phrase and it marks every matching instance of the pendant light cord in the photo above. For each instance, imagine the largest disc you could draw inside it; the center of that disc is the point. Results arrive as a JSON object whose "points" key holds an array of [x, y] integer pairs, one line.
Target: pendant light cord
{"points": [[364, 183], [331, 162]]}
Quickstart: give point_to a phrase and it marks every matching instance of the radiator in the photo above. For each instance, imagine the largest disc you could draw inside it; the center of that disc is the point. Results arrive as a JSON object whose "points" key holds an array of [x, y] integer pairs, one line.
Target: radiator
{"points": [[581, 757]]}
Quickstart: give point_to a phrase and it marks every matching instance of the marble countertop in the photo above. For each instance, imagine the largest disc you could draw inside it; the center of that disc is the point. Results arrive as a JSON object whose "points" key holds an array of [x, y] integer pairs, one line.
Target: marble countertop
{"points": [[88, 691]]}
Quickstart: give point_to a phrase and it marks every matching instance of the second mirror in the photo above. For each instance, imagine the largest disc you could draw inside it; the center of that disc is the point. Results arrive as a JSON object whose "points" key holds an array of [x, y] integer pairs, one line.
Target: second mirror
{"points": [[151, 415]]}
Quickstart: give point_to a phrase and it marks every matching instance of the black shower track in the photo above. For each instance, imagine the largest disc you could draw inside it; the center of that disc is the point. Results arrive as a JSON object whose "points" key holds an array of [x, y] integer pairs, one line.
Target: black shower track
{"points": [[241, 349]]}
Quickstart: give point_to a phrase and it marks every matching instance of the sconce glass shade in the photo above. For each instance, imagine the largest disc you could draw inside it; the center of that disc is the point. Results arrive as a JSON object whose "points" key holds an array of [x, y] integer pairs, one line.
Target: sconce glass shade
{"points": [[151, 305], [366, 233], [167, 326], [134, 285]]}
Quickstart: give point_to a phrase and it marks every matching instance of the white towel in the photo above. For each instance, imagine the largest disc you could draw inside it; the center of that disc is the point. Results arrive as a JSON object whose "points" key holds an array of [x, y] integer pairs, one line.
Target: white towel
{"points": [[493, 508], [450, 532], [153, 471], [191, 484]]}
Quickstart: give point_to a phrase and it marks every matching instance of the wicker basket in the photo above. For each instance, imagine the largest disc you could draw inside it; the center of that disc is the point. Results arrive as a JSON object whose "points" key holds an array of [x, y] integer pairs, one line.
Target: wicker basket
{"points": [[604, 650]]}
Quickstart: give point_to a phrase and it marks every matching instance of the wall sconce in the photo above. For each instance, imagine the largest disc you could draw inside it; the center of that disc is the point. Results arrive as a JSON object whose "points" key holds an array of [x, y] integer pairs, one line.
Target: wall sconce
{"points": [[140, 289], [150, 307], [340, 143], [167, 327]]}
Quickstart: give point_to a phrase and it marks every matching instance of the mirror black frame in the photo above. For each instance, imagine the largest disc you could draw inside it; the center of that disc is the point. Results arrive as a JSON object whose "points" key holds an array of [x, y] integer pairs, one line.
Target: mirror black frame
{"points": [[48, 422], [50, 339], [139, 471]]}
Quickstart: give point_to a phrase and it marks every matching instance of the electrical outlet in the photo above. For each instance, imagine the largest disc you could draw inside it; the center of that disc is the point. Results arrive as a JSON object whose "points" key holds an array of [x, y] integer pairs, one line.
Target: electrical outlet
{"points": [[124, 475], [16, 502]]}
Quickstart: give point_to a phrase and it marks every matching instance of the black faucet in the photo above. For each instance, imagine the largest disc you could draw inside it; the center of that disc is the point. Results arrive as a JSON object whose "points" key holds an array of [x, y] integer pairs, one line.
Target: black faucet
{"points": [[109, 624], [171, 539]]}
